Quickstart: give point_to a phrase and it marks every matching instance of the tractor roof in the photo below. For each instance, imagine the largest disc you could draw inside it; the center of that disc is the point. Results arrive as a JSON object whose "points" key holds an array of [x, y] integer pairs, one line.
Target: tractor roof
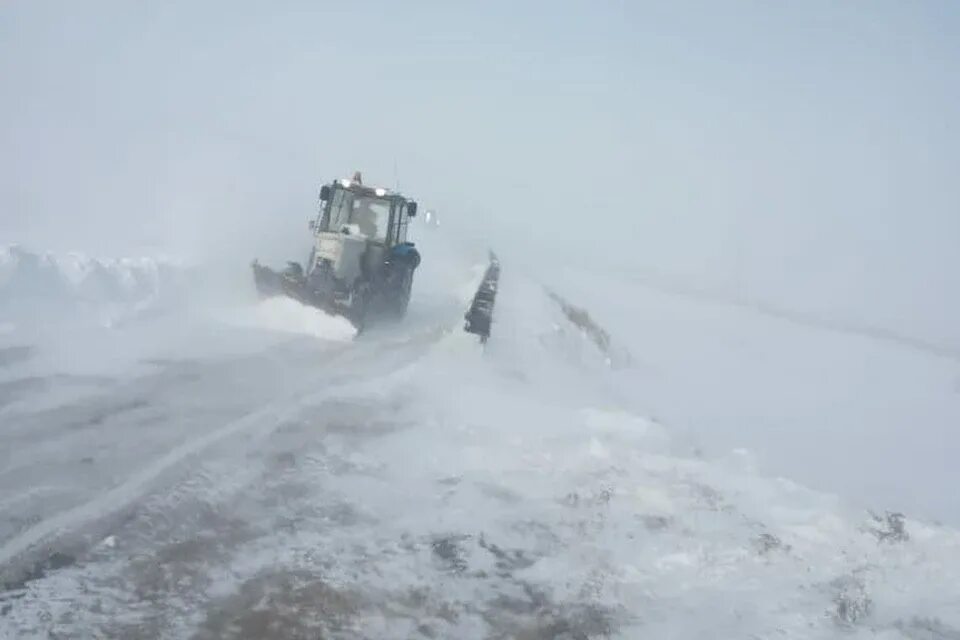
{"points": [[380, 192]]}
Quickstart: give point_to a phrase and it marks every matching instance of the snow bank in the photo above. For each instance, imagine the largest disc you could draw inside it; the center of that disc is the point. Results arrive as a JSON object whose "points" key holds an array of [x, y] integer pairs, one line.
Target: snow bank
{"points": [[872, 420], [111, 291]]}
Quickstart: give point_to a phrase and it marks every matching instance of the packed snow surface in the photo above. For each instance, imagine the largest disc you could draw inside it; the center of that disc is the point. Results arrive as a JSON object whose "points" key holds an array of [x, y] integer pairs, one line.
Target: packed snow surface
{"points": [[253, 469]]}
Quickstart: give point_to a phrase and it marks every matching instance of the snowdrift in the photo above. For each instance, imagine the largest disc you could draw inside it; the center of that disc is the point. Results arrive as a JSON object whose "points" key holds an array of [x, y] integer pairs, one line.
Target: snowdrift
{"points": [[45, 286]]}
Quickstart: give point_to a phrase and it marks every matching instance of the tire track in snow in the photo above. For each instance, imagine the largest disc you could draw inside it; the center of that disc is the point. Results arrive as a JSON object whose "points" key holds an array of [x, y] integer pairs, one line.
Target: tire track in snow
{"points": [[119, 497], [257, 424]]}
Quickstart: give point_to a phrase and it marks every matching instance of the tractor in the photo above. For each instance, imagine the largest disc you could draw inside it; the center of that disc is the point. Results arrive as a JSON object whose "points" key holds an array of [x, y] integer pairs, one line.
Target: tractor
{"points": [[361, 265]]}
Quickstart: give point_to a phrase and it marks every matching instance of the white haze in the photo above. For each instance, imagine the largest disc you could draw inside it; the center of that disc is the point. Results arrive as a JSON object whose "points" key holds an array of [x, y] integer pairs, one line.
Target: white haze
{"points": [[801, 154], [755, 201]]}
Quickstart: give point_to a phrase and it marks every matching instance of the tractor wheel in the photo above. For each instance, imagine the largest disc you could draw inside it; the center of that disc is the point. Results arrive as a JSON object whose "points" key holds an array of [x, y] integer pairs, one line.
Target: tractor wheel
{"points": [[402, 297]]}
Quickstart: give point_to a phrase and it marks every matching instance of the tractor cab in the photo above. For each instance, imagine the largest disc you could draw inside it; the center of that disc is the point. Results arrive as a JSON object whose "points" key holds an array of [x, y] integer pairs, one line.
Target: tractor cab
{"points": [[377, 215]]}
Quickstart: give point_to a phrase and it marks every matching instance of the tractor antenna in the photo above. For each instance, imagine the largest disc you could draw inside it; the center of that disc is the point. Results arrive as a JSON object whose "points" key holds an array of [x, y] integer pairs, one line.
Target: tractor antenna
{"points": [[396, 176]]}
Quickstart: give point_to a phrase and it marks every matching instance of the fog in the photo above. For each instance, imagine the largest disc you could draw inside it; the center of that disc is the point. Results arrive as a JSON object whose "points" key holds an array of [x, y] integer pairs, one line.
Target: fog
{"points": [[753, 205], [797, 153]]}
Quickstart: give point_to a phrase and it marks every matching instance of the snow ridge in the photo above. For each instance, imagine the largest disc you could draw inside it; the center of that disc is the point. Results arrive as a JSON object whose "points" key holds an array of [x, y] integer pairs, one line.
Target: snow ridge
{"points": [[32, 282]]}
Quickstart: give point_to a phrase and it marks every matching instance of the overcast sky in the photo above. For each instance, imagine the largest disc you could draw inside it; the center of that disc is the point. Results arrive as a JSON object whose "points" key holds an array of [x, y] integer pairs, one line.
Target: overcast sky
{"points": [[802, 152]]}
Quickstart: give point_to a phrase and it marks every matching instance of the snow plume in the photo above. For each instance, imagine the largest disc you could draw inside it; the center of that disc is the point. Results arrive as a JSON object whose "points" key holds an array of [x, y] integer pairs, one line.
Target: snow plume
{"points": [[286, 315], [109, 291]]}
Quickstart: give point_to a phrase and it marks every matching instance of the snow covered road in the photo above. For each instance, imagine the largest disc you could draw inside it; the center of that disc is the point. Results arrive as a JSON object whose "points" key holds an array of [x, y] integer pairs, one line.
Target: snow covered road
{"points": [[408, 484]]}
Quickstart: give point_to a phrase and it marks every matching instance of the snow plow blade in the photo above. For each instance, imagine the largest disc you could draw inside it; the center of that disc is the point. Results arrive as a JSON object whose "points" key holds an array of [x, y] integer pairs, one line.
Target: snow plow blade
{"points": [[292, 283], [272, 283], [479, 317]]}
